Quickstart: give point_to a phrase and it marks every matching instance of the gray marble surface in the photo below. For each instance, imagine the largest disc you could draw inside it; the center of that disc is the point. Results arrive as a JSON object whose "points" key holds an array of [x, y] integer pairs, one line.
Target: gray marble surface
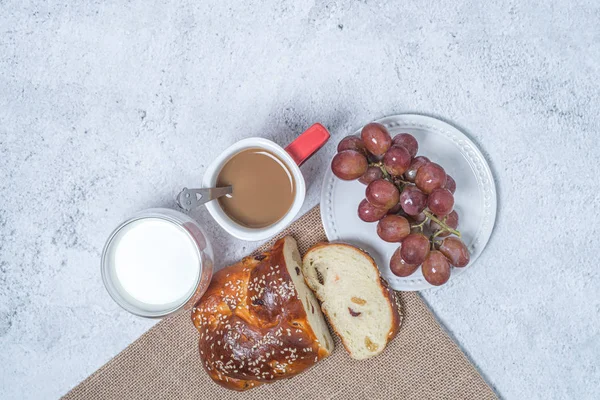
{"points": [[107, 108]]}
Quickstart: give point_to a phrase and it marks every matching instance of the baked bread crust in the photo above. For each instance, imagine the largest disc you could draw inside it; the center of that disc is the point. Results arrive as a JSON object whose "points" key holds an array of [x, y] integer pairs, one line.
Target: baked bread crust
{"points": [[253, 327]]}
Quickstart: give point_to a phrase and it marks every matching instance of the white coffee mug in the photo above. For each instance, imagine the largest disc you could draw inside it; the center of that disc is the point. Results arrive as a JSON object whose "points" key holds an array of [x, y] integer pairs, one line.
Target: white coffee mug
{"points": [[293, 156]]}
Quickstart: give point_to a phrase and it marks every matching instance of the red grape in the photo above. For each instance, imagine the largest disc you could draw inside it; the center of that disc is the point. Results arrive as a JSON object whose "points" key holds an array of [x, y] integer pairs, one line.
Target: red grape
{"points": [[412, 200], [430, 176], [369, 213], [451, 220], [399, 267], [450, 184], [349, 165], [372, 174], [415, 248], [396, 209], [373, 158], [455, 251], [393, 228], [440, 201], [418, 218], [376, 138], [407, 141], [382, 194], [351, 143], [417, 163], [396, 160], [436, 269]]}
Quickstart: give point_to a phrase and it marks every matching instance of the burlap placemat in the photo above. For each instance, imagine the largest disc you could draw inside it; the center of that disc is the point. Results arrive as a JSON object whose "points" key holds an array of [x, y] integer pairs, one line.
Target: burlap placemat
{"points": [[421, 363]]}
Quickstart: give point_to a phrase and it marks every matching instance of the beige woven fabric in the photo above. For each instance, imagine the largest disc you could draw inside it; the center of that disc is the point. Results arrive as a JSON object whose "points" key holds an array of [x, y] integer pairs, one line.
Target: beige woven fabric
{"points": [[421, 363]]}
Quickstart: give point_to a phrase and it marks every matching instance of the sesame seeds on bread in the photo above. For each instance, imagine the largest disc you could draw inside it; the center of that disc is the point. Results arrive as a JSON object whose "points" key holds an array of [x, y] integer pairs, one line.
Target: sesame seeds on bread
{"points": [[259, 322]]}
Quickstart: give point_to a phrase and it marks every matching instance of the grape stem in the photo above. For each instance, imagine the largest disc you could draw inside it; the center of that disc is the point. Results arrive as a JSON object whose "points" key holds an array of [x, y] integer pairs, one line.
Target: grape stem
{"points": [[420, 226], [434, 244], [441, 223], [379, 164], [386, 175], [401, 182]]}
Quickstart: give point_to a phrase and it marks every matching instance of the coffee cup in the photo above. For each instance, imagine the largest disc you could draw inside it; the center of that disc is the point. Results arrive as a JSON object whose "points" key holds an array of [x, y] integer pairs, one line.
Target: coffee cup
{"points": [[291, 157]]}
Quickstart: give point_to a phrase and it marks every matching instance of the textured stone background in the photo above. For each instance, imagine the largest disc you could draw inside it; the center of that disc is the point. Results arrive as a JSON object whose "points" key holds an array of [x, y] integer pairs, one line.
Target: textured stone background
{"points": [[107, 108]]}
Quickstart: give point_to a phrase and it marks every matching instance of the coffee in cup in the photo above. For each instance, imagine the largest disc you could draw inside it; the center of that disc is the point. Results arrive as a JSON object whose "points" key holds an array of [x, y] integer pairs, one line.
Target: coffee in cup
{"points": [[263, 188]]}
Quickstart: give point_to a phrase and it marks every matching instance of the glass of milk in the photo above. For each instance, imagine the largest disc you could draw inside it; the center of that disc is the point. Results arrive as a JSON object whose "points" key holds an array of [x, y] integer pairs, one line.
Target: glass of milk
{"points": [[157, 263]]}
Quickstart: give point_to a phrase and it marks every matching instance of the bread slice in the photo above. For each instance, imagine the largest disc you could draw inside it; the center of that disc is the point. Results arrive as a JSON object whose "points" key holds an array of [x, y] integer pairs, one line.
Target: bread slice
{"points": [[358, 303], [316, 321]]}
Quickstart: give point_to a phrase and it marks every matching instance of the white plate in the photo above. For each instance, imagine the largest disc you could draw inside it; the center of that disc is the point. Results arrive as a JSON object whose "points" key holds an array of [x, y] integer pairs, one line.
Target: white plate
{"points": [[475, 197]]}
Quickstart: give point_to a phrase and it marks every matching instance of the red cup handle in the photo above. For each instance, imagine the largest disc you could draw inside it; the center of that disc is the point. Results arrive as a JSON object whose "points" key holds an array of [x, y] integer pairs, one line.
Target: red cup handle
{"points": [[308, 143]]}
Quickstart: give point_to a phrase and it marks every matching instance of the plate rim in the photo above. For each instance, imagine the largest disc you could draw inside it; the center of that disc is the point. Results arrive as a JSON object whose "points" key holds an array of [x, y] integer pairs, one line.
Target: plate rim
{"points": [[480, 168]]}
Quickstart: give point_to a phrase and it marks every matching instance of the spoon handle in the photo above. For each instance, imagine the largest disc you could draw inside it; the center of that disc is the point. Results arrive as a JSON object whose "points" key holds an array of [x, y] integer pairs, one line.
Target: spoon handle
{"points": [[189, 199]]}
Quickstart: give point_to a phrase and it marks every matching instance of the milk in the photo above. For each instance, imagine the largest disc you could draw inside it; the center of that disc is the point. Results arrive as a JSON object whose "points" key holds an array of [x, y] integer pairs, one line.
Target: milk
{"points": [[155, 263]]}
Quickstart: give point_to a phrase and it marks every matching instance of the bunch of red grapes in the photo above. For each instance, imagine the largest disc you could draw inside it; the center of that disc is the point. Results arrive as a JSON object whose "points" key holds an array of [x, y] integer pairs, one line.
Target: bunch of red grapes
{"points": [[411, 197]]}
